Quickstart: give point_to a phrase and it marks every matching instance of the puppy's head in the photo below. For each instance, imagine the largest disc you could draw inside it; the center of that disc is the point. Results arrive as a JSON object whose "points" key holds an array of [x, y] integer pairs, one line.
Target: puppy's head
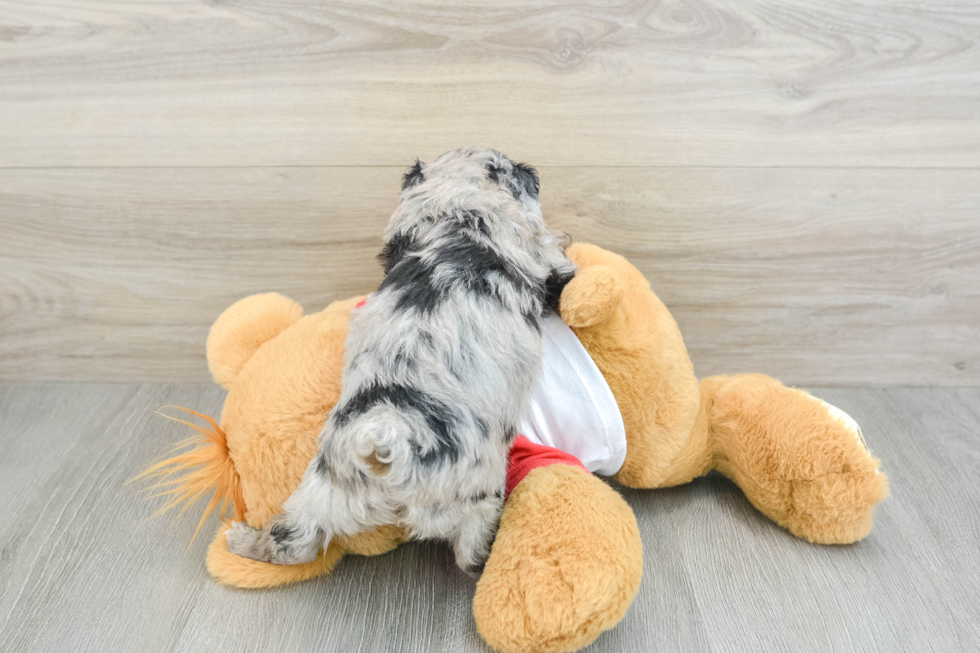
{"points": [[473, 169], [480, 195]]}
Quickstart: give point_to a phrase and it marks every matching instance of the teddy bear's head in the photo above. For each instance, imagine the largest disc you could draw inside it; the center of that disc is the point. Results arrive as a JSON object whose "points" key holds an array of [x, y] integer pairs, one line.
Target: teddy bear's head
{"points": [[282, 372]]}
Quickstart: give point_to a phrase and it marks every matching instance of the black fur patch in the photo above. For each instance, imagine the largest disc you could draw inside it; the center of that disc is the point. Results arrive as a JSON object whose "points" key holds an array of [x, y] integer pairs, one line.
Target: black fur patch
{"points": [[321, 464], [476, 263], [394, 250], [438, 417], [526, 178], [414, 176], [282, 533], [553, 285], [533, 319], [414, 278], [493, 173]]}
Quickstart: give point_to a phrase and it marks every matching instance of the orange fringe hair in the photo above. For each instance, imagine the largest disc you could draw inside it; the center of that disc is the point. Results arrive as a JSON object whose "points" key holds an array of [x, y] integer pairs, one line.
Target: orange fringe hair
{"points": [[205, 465]]}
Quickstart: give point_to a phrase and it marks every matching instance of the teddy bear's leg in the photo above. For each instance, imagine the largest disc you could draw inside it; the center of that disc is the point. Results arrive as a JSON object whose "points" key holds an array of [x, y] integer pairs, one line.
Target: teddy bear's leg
{"points": [[565, 565], [800, 461]]}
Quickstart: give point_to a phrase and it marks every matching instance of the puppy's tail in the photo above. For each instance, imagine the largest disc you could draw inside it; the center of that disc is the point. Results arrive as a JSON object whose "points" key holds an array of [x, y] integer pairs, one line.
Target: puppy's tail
{"points": [[198, 465], [382, 441]]}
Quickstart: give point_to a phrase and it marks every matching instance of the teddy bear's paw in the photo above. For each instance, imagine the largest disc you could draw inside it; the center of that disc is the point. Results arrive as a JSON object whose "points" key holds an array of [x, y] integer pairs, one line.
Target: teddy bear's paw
{"points": [[591, 297], [565, 565], [799, 460], [845, 420], [836, 506]]}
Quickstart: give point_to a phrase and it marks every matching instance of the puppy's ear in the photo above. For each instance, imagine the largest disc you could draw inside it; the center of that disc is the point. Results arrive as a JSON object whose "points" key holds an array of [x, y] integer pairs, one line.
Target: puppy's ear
{"points": [[414, 175], [526, 178]]}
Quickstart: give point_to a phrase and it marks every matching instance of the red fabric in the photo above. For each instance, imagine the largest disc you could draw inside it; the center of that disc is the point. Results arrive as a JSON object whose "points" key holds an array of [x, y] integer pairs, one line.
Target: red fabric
{"points": [[526, 455]]}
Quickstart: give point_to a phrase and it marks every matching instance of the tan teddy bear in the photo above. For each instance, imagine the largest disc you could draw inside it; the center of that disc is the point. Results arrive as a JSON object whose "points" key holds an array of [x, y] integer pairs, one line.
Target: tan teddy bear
{"points": [[567, 559]]}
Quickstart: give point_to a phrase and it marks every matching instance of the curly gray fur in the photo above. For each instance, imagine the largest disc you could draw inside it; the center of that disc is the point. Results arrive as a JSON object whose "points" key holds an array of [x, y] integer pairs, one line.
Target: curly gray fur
{"points": [[439, 367]]}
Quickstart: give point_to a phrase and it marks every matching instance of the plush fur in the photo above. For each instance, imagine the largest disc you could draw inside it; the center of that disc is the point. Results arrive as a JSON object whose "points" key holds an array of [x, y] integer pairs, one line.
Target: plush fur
{"points": [[567, 562], [797, 461], [440, 364]]}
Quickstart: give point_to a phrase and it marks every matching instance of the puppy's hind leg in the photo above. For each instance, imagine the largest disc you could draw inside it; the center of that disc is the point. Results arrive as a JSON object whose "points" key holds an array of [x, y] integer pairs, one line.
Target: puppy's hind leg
{"points": [[292, 537], [474, 538], [279, 542]]}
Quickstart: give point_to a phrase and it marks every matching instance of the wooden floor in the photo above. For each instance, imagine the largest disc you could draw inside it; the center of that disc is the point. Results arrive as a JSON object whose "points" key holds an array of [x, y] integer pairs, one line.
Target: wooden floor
{"points": [[81, 569]]}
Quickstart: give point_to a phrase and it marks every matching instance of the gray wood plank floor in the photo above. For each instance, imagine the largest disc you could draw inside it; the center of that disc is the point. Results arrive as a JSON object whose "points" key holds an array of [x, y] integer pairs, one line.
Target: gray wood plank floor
{"points": [[81, 568]]}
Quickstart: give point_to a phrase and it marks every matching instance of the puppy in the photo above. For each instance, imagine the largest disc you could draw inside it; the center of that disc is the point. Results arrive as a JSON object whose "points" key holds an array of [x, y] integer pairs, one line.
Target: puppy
{"points": [[439, 366]]}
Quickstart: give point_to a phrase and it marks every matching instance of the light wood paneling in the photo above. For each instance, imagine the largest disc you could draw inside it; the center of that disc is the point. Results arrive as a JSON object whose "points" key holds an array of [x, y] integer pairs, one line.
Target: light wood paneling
{"points": [[601, 82], [82, 569], [798, 181], [814, 276]]}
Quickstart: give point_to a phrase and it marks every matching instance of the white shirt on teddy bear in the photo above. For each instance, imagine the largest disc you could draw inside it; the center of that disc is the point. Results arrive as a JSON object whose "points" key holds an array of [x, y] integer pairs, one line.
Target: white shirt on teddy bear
{"points": [[572, 407]]}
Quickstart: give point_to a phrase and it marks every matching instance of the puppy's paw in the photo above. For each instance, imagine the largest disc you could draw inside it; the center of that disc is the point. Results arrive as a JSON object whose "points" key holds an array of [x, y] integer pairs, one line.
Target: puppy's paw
{"points": [[475, 569], [472, 552], [472, 545], [248, 542], [276, 543]]}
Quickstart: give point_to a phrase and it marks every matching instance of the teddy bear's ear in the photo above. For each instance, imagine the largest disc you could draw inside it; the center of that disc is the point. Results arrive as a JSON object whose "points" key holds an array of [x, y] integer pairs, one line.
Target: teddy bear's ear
{"points": [[238, 332]]}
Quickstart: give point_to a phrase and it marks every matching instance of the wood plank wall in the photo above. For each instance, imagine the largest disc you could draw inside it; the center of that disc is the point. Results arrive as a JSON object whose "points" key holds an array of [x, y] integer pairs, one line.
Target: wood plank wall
{"points": [[800, 181]]}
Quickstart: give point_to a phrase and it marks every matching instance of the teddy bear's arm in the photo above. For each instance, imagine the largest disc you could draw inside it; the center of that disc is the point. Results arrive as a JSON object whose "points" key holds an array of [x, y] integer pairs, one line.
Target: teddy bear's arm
{"points": [[591, 297]]}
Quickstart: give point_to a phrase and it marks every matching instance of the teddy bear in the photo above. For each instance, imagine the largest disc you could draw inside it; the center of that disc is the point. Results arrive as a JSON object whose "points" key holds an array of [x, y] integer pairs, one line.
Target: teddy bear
{"points": [[567, 559]]}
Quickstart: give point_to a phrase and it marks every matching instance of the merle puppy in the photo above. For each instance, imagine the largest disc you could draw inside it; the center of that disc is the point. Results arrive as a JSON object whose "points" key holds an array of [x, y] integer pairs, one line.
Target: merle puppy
{"points": [[439, 367]]}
